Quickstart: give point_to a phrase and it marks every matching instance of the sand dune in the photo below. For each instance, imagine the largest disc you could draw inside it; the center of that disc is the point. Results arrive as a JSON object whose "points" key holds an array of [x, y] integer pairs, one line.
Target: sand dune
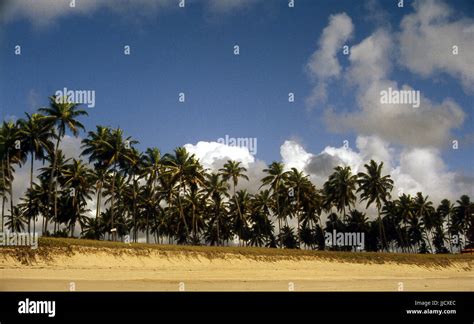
{"points": [[99, 269]]}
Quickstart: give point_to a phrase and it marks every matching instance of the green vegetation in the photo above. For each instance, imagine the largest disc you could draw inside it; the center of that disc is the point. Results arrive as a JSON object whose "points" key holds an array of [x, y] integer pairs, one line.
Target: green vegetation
{"points": [[49, 247], [172, 199]]}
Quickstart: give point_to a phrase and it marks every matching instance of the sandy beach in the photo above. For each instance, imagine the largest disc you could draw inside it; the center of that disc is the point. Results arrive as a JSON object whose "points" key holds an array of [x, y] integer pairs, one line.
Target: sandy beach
{"points": [[102, 269]]}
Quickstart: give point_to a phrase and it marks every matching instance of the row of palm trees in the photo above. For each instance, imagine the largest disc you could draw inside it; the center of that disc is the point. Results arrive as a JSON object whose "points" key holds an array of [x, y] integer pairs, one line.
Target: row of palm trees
{"points": [[173, 199]]}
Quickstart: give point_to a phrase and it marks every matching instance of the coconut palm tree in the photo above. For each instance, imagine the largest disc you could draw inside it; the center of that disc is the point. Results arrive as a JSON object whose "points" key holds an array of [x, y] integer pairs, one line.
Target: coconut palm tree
{"points": [[35, 135], [78, 182], [444, 213], [62, 115], [261, 230], [92, 147], [298, 183], [11, 154], [184, 170], [233, 170], [15, 222], [194, 201], [375, 188], [110, 149], [215, 191], [340, 188], [45, 176], [462, 220], [239, 210], [275, 179], [424, 210]]}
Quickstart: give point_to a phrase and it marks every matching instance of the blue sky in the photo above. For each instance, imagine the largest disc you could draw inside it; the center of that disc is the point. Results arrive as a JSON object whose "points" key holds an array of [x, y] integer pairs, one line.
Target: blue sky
{"points": [[190, 50]]}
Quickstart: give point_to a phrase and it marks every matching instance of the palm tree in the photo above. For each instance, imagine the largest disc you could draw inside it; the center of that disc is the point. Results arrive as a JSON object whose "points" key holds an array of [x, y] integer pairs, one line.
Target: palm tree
{"points": [[299, 183], [233, 170], [133, 168], [78, 181], [391, 224], [462, 219], [275, 179], [340, 188], [45, 176], [92, 147], [183, 169], [444, 212], [261, 230], [216, 190], [15, 221], [35, 135], [92, 229], [424, 210], [240, 221], [11, 154], [109, 149], [62, 115], [375, 188], [194, 200]]}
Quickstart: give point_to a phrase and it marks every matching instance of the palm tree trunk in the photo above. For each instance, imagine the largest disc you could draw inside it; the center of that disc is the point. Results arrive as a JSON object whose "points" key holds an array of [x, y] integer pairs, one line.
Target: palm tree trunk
{"points": [[3, 211], [181, 211], [31, 190], [55, 206], [10, 179], [3, 194], [217, 223], [51, 179], [449, 237], [238, 209], [381, 230], [112, 211], [147, 229]]}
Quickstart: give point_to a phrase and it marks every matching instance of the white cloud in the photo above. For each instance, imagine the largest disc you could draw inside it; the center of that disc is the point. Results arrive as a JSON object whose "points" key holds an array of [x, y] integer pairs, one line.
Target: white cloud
{"points": [[425, 45], [226, 6], [323, 64], [372, 147], [427, 38], [412, 170], [71, 146], [422, 169], [370, 59], [213, 155], [294, 155], [430, 124], [45, 12]]}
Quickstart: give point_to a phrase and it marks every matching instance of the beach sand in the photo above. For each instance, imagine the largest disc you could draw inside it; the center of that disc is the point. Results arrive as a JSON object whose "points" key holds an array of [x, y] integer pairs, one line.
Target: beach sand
{"points": [[99, 269]]}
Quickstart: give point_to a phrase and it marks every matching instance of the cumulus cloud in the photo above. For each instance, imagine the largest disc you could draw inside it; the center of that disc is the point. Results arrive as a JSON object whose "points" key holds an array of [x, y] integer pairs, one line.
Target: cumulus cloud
{"points": [[213, 155], [370, 59], [427, 38], [424, 44], [294, 155], [323, 63], [412, 169], [430, 124]]}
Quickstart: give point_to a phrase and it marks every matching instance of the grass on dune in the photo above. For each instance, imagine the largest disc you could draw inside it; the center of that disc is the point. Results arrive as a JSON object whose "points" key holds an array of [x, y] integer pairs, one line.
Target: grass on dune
{"points": [[48, 247]]}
